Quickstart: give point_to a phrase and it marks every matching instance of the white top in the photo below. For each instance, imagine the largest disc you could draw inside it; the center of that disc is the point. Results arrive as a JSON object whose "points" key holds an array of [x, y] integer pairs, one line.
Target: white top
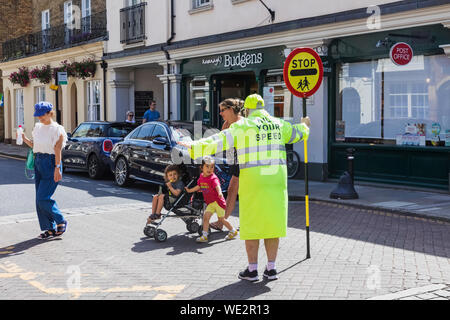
{"points": [[46, 136]]}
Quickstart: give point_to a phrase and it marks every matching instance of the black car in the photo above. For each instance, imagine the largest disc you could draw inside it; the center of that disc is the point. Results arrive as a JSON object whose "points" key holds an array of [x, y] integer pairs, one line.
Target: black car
{"points": [[149, 149], [89, 146]]}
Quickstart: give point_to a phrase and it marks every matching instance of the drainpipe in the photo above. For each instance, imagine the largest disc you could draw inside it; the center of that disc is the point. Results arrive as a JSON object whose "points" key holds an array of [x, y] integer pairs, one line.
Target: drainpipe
{"points": [[104, 66], [166, 52]]}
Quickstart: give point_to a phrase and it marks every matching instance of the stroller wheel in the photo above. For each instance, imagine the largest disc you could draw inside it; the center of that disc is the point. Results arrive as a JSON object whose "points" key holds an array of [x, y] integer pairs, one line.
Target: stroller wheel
{"points": [[149, 231], [160, 235], [193, 227]]}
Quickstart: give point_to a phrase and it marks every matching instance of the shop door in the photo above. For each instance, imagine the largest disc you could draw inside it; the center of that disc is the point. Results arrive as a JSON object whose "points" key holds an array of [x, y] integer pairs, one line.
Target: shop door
{"points": [[235, 85]]}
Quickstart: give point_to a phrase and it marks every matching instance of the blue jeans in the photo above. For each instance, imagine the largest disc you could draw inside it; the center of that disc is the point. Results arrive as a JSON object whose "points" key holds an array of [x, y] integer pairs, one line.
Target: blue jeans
{"points": [[48, 212]]}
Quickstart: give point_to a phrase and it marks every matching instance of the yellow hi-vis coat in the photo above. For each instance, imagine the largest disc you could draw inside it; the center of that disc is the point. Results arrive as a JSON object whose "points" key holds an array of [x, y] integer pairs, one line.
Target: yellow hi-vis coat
{"points": [[260, 143]]}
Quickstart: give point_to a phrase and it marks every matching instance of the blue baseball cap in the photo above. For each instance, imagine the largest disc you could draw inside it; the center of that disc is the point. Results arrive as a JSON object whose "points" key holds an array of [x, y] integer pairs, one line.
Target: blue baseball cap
{"points": [[42, 108]]}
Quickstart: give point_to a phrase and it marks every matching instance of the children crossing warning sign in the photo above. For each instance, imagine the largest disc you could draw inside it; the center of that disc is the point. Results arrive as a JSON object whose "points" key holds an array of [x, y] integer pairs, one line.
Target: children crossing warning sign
{"points": [[303, 72]]}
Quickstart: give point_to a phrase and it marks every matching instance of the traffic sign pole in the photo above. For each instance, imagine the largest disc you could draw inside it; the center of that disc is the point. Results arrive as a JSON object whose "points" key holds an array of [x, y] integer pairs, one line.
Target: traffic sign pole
{"points": [[308, 250], [303, 75]]}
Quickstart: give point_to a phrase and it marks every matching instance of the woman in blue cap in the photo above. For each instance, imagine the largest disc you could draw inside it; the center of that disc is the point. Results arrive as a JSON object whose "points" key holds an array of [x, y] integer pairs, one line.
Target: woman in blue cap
{"points": [[49, 138]]}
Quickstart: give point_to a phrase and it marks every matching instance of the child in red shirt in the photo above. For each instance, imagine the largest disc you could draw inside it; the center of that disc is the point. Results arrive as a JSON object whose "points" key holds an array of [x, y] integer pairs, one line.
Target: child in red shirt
{"points": [[209, 184]]}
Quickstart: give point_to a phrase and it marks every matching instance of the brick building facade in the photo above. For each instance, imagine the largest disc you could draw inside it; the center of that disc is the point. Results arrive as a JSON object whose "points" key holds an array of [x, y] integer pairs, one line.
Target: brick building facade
{"points": [[57, 11], [14, 22], [42, 38]]}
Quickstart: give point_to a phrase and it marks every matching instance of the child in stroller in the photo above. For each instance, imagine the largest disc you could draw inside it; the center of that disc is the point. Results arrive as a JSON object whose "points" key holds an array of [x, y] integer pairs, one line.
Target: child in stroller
{"points": [[175, 187], [175, 200]]}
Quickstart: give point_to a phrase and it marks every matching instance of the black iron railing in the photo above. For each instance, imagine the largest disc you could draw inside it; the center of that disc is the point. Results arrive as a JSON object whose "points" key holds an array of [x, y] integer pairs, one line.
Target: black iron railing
{"points": [[58, 37], [132, 23]]}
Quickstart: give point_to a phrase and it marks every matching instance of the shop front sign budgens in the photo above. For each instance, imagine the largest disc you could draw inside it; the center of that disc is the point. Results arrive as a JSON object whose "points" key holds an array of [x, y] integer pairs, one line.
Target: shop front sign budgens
{"points": [[258, 59], [242, 60]]}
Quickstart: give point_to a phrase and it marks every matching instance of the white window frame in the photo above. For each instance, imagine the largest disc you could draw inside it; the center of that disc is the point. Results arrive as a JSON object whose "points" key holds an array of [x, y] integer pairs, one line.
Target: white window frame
{"points": [[86, 8], [130, 3], [86, 12], [39, 94], [201, 5], [45, 25], [93, 107], [409, 93], [68, 13], [20, 112], [45, 19]]}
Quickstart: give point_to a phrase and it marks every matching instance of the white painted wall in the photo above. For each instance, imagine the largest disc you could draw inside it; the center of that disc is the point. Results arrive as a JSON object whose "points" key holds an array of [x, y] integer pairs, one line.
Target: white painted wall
{"points": [[223, 17], [156, 17]]}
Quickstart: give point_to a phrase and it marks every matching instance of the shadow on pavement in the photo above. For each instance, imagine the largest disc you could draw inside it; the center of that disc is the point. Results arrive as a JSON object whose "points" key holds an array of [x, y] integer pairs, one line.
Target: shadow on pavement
{"points": [[374, 226], [241, 290], [18, 248], [180, 243]]}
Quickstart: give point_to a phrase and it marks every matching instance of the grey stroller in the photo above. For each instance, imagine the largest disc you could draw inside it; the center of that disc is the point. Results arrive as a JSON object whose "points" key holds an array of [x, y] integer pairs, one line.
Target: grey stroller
{"points": [[187, 207]]}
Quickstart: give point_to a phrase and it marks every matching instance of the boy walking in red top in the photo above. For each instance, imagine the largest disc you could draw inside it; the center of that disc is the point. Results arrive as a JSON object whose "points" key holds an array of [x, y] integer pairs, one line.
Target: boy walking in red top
{"points": [[209, 184]]}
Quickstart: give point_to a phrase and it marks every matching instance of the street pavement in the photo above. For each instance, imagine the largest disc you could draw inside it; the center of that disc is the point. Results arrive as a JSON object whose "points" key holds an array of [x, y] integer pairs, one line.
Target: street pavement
{"points": [[357, 252], [416, 202], [74, 191]]}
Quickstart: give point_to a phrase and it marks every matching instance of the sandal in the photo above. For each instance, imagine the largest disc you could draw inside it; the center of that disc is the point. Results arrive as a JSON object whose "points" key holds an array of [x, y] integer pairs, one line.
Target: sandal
{"points": [[47, 234], [60, 229], [155, 216]]}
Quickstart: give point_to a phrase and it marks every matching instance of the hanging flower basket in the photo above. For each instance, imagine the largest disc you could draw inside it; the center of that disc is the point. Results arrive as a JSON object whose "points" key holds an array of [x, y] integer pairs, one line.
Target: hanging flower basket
{"points": [[66, 67], [44, 75], [22, 77], [85, 69]]}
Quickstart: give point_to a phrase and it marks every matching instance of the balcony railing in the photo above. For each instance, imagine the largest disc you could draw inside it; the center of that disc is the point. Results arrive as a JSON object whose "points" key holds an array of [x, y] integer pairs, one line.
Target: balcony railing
{"points": [[132, 24], [58, 37]]}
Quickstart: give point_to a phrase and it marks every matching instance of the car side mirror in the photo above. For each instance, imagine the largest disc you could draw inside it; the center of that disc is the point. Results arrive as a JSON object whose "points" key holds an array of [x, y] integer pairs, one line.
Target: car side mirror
{"points": [[161, 141], [69, 135]]}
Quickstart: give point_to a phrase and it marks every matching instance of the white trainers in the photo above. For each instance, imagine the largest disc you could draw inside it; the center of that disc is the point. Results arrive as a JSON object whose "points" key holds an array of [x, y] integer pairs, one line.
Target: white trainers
{"points": [[231, 235], [202, 239]]}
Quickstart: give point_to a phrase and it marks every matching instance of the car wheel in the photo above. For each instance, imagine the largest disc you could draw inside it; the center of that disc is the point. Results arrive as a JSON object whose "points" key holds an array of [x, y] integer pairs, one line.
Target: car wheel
{"points": [[121, 173], [95, 168]]}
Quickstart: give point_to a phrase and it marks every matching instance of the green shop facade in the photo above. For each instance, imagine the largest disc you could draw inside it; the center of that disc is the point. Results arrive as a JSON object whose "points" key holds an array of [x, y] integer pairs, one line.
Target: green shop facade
{"points": [[397, 118], [206, 81]]}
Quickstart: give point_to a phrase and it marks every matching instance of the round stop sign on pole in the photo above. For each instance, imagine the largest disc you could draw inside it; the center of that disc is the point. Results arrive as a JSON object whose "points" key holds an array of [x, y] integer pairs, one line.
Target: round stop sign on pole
{"points": [[303, 72]]}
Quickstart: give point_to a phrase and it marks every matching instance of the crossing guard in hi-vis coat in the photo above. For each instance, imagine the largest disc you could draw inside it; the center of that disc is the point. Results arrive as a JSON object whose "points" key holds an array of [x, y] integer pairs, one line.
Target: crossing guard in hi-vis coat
{"points": [[260, 141]]}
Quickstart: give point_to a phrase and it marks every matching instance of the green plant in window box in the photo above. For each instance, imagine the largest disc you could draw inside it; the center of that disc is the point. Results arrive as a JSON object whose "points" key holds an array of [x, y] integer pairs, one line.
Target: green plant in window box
{"points": [[66, 67], [44, 74], [85, 69], [22, 77]]}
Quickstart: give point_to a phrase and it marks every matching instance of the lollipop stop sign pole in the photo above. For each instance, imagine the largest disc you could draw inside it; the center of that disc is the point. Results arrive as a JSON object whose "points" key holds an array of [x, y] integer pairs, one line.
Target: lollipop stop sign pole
{"points": [[303, 75]]}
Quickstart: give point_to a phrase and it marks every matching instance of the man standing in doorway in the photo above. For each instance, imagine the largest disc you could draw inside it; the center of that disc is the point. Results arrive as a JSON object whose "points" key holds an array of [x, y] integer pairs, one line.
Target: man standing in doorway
{"points": [[151, 114]]}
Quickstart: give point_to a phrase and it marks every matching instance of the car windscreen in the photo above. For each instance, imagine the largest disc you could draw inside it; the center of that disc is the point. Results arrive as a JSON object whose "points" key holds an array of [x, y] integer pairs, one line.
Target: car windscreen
{"points": [[186, 133], [119, 131], [89, 130]]}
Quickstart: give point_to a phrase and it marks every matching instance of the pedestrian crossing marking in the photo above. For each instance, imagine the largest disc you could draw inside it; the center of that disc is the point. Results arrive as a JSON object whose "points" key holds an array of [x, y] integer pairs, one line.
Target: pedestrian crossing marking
{"points": [[13, 270]]}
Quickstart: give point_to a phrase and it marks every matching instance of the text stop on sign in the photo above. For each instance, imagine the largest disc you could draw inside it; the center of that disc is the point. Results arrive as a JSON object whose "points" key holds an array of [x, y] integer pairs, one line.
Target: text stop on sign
{"points": [[303, 72]]}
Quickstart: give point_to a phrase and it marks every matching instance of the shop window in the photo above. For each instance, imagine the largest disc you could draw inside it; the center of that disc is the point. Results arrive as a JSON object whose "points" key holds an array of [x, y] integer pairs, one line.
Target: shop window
{"points": [[380, 102], [198, 108], [93, 100], [277, 98]]}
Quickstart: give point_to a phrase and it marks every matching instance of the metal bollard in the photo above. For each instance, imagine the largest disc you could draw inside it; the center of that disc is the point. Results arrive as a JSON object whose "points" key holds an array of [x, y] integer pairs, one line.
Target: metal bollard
{"points": [[345, 188], [350, 158]]}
